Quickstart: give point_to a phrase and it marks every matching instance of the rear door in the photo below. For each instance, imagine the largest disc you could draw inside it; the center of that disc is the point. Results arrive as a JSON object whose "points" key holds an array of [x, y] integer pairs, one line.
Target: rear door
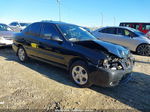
{"points": [[30, 39], [108, 34]]}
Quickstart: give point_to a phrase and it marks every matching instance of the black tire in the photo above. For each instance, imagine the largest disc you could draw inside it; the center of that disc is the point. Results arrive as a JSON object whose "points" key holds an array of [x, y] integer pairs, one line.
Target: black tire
{"points": [[143, 49], [21, 51], [85, 72]]}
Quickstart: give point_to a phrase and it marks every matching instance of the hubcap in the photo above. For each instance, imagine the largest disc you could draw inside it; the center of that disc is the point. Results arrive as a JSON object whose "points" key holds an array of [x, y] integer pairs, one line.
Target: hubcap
{"points": [[79, 75], [21, 54], [144, 50]]}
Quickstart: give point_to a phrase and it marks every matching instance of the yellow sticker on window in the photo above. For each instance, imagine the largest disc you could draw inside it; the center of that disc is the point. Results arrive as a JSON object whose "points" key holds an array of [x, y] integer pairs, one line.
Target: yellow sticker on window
{"points": [[34, 45]]}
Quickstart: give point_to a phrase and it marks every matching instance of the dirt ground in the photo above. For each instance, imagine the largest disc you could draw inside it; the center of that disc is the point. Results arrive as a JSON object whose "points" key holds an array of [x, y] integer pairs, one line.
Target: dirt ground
{"points": [[37, 85]]}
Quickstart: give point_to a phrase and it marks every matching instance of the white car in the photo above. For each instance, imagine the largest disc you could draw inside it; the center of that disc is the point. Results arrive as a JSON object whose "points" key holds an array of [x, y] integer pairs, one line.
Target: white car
{"points": [[17, 27], [6, 35], [133, 39]]}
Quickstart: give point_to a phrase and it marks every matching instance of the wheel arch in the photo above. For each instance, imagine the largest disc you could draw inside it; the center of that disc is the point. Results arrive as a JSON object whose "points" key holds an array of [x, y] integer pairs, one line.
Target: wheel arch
{"points": [[75, 60], [141, 44], [19, 45]]}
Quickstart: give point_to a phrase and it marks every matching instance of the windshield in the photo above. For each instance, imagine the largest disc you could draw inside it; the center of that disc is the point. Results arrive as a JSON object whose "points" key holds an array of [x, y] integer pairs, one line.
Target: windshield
{"points": [[75, 33], [4, 27]]}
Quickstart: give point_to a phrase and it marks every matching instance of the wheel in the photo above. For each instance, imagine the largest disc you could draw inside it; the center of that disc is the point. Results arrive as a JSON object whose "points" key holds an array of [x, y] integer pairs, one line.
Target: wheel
{"points": [[143, 50], [79, 74], [22, 54]]}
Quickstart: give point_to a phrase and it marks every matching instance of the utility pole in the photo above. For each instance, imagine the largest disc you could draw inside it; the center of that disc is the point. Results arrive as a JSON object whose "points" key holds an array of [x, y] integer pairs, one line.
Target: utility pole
{"points": [[114, 21], [102, 19], [58, 1]]}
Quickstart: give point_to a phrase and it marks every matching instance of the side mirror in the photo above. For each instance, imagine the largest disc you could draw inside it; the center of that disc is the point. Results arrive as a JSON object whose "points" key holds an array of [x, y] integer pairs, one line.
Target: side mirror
{"points": [[56, 38]]}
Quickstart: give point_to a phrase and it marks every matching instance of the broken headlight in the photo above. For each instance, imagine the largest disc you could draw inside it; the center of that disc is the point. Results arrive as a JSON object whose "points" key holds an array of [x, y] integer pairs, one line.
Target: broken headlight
{"points": [[111, 63]]}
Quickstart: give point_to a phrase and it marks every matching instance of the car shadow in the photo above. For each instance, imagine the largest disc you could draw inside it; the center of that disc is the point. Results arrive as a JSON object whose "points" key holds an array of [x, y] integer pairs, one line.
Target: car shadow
{"points": [[135, 94], [55, 73], [137, 61]]}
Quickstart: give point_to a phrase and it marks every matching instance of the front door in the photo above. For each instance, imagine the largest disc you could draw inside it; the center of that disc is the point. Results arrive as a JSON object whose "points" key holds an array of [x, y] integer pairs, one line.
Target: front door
{"points": [[125, 37], [50, 49]]}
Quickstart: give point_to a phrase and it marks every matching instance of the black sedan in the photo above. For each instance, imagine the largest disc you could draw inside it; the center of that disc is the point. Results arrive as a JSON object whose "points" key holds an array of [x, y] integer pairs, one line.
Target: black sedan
{"points": [[88, 60]]}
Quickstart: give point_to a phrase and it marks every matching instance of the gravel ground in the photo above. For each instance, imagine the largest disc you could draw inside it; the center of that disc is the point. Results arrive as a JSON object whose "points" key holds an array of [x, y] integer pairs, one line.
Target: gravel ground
{"points": [[36, 85]]}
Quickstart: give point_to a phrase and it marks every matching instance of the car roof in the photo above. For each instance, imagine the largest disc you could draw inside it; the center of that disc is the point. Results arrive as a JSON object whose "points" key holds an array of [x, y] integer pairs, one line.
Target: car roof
{"points": [[115, 27], [134, 23], [55, 22]]}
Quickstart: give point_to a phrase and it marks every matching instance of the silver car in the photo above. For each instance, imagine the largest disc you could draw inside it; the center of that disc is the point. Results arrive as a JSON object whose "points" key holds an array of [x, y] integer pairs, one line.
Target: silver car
{"points": [[17, 26], [133, 39], [6, 35]]}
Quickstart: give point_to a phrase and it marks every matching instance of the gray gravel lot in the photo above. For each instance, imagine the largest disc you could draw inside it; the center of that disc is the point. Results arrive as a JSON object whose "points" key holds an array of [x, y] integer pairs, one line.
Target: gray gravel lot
{"points": [[37, 85]]}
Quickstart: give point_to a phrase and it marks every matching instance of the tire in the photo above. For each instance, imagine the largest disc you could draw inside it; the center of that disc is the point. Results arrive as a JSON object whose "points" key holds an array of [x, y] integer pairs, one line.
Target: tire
{"points": [[80, 75], [22, 55], [143, 49]]}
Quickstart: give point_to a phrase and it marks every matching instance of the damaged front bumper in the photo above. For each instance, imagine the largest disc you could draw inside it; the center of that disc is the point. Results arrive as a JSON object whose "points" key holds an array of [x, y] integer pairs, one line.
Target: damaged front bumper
{"points": [[109, 77]]}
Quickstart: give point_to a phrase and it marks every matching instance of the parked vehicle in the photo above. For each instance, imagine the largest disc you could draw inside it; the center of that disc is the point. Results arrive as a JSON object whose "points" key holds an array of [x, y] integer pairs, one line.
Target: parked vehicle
{"points": [[133, 39], [16, 26], [148, 34], [6, 35], [143, 27], [87, 29], [88, 60]]}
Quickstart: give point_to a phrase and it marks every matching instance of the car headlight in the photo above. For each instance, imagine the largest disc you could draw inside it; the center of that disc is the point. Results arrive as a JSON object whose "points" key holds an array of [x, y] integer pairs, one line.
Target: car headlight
{"points": [[103, 63]]}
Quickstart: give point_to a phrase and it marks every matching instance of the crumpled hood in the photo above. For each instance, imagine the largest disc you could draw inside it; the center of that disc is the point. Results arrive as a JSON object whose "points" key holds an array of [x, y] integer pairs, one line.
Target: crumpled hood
{"points": [[115, 49], [6, 34]]}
